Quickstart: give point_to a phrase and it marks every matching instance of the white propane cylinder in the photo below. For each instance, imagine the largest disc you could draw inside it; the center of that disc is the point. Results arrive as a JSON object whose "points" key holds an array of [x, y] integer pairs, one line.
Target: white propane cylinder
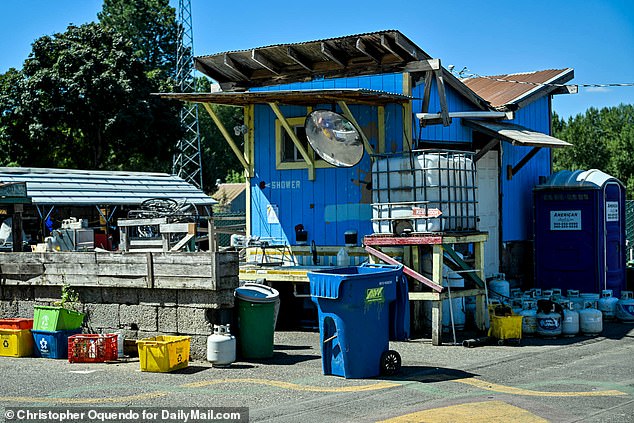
{"points": [[625, 307], [548, 324], [120, 343], [570, 322], [529, 318], [590, 320], [607, 304], [499, 288], [221, 347]]}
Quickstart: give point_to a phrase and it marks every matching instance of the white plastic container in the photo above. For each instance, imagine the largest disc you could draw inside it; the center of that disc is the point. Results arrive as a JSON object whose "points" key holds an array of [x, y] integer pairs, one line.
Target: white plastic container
{"points": [[625, 307], [221, 347], [570, 322], [590, 320], [120, 343], [343, 259], [607, 305]]}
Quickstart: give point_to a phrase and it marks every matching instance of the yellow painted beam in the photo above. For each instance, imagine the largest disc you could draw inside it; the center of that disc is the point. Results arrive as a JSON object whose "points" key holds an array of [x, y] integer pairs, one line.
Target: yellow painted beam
{"points": [[347, 113], [249, 150], [221, 127], [407, 110], [309, 161]]}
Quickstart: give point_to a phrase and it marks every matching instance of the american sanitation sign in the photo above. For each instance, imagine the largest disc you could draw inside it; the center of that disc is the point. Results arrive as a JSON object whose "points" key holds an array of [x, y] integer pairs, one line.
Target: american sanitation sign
{"points": [[565, 220]]}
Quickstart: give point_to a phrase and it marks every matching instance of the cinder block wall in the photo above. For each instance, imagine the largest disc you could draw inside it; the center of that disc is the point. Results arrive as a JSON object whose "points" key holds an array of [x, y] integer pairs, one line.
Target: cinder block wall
{"points": [[137, 312]]}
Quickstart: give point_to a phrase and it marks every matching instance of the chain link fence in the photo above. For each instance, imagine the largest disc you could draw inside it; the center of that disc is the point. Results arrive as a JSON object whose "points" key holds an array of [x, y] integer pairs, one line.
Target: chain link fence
{"points": [[227, 224]]}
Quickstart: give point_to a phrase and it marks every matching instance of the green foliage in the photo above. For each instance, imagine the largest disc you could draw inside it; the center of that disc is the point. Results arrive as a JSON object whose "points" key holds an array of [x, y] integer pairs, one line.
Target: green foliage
{"points": [[151, 27], [83, 100], [234, 177], [602, 139], [69, 298]]}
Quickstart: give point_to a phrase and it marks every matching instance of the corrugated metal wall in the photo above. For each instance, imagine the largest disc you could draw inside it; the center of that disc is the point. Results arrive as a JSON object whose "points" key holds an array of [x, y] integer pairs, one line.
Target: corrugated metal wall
{"points": [[517, 198]]}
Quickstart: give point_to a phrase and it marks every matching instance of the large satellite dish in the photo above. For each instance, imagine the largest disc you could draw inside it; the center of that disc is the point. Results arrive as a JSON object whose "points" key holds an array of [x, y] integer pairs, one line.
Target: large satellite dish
{"points": [[334, 138]]}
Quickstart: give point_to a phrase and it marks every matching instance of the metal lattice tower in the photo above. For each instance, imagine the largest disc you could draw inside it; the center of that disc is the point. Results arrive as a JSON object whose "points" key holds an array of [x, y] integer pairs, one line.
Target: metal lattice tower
{"points": [[187, 160]]}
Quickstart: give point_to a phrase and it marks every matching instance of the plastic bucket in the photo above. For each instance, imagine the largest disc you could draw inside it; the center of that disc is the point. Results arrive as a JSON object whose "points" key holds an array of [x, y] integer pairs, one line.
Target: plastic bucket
{"points": [[258, 306]]}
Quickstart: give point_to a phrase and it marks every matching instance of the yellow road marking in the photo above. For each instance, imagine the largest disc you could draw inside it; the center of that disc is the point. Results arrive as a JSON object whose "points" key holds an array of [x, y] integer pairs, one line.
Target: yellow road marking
{"points": [[487, 411], [296, 387], [489, 386], [93, 400]]}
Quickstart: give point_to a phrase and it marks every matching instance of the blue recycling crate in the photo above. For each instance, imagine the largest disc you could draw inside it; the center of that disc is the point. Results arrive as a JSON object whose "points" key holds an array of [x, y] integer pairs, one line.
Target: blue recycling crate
{"points": [[52, 344]]}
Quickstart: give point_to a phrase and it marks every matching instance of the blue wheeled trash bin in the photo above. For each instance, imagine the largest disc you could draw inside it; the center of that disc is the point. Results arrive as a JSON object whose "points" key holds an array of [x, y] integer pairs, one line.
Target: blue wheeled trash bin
{"points": [[358, 313]]}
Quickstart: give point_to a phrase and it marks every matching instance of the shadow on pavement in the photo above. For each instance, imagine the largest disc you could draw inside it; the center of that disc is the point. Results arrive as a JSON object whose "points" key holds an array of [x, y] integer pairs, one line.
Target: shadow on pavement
{"points": [[424, 374]]}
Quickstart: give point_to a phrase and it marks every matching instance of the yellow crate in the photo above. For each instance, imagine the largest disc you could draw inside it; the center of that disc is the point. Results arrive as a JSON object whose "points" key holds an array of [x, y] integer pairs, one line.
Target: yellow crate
{"points": [[163, 353], [16, 343], [508, 327]]}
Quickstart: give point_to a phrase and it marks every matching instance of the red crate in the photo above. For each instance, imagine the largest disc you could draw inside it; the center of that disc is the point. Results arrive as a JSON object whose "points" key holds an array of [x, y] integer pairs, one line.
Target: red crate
{"points": [[16, 324], [90, 348]]}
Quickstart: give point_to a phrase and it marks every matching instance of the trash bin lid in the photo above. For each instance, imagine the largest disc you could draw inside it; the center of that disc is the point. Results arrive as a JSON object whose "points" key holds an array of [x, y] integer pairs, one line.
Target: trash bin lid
{"points": [[256, 293]]}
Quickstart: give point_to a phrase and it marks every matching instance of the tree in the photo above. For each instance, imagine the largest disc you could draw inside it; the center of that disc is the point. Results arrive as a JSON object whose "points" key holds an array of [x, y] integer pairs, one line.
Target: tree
{"points": [[151, 27], [602, 139], [84, 102]]}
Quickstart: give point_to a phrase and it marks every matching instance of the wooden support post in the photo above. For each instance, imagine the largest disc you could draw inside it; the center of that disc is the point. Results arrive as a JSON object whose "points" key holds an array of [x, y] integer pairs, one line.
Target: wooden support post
{"points": [[291, 133], [211, 235], [444, 110], [381, 128], [482, 315], [512, 170], [347, 113], [150, 270], [436, 315]]}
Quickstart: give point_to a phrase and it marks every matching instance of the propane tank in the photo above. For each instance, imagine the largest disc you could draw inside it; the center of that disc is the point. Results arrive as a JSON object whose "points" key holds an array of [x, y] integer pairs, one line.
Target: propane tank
{"points": [[590, 319], [517, 305], [548, 323], [120, 343], [607, 305], [575, 299], [570, 322], [547, 294], [221, 347], [529, 318], [499, 288], [558, 296], [625, 307]]}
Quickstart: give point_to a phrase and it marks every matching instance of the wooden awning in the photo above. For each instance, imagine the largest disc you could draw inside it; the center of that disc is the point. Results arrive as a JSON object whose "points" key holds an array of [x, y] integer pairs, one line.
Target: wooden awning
{"points": [[292, 97]]}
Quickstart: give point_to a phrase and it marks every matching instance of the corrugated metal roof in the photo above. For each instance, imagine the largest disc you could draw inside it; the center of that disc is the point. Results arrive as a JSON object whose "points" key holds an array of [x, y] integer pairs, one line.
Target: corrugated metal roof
{"points": [[297, 97], [93, 187], [500, 91], [228, 192], [515, 134], [362, 54]]}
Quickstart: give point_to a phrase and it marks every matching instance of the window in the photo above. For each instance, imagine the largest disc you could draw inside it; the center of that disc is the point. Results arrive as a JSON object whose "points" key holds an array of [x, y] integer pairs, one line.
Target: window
{"points": [[287, 156]]}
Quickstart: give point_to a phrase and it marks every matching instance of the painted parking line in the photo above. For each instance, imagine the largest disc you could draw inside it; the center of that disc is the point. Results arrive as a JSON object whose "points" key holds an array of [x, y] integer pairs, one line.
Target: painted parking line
{"points": [[487, 411], [296, 387], [490, 386]]}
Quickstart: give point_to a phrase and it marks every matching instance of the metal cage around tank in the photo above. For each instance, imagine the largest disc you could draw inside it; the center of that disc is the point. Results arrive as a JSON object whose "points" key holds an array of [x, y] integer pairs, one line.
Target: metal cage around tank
{"points": [[424, 191]]}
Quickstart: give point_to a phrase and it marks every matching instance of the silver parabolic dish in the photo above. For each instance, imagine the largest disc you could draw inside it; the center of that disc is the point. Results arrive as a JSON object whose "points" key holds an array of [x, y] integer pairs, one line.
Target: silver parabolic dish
{"points": [[334, 138]]}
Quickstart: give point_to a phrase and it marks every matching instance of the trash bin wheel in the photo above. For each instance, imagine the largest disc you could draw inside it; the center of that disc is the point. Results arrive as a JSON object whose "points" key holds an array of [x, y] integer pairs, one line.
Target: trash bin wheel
{"points": [[390, 363]]}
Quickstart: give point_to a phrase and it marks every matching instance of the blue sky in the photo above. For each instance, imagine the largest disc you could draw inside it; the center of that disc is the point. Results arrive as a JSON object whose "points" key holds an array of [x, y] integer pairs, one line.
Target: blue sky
{"points": [[596, 38]]}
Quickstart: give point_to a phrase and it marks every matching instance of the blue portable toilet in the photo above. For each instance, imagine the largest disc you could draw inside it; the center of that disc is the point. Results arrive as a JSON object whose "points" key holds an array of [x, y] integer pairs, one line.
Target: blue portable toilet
{"points": [[580, 232]]}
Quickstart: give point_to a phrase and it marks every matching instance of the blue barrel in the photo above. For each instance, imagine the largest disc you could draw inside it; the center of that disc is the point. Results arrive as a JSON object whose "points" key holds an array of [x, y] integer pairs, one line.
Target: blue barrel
{"points": [[354, 317]]}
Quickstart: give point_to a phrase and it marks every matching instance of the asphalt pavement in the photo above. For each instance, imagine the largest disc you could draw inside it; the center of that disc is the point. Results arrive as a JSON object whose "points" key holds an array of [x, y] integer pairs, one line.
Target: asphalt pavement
{"points": [[580, 379]]}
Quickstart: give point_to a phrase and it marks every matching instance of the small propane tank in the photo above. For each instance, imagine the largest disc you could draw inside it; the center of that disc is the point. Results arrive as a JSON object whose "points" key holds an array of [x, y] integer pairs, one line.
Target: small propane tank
{"points": [[517, 305], [221, 347], [342, 257], [590, 319], [547, 294], [499, 288], [607, 305], [516, 293], [625, 307], [570, 322], [557, 295], [529, 318], [548, 323], [575, 299]]}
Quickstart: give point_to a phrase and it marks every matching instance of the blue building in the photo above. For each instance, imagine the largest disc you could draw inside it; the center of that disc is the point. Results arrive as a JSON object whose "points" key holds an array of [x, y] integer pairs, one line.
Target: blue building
{"points": [[400, 98]]}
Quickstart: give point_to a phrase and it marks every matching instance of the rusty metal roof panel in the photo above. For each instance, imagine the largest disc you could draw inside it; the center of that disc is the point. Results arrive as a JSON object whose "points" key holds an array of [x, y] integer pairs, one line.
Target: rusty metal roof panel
{"points": [[507, 89], [293, 97], [362, 54]]}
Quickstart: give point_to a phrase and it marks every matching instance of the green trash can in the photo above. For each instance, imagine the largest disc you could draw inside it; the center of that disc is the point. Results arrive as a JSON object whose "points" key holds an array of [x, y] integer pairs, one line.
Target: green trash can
{"points": [[258, 306]]}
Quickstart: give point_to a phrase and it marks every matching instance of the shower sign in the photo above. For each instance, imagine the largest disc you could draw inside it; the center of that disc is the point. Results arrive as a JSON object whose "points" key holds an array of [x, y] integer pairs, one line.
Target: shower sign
{"points": [[565, 220]]}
